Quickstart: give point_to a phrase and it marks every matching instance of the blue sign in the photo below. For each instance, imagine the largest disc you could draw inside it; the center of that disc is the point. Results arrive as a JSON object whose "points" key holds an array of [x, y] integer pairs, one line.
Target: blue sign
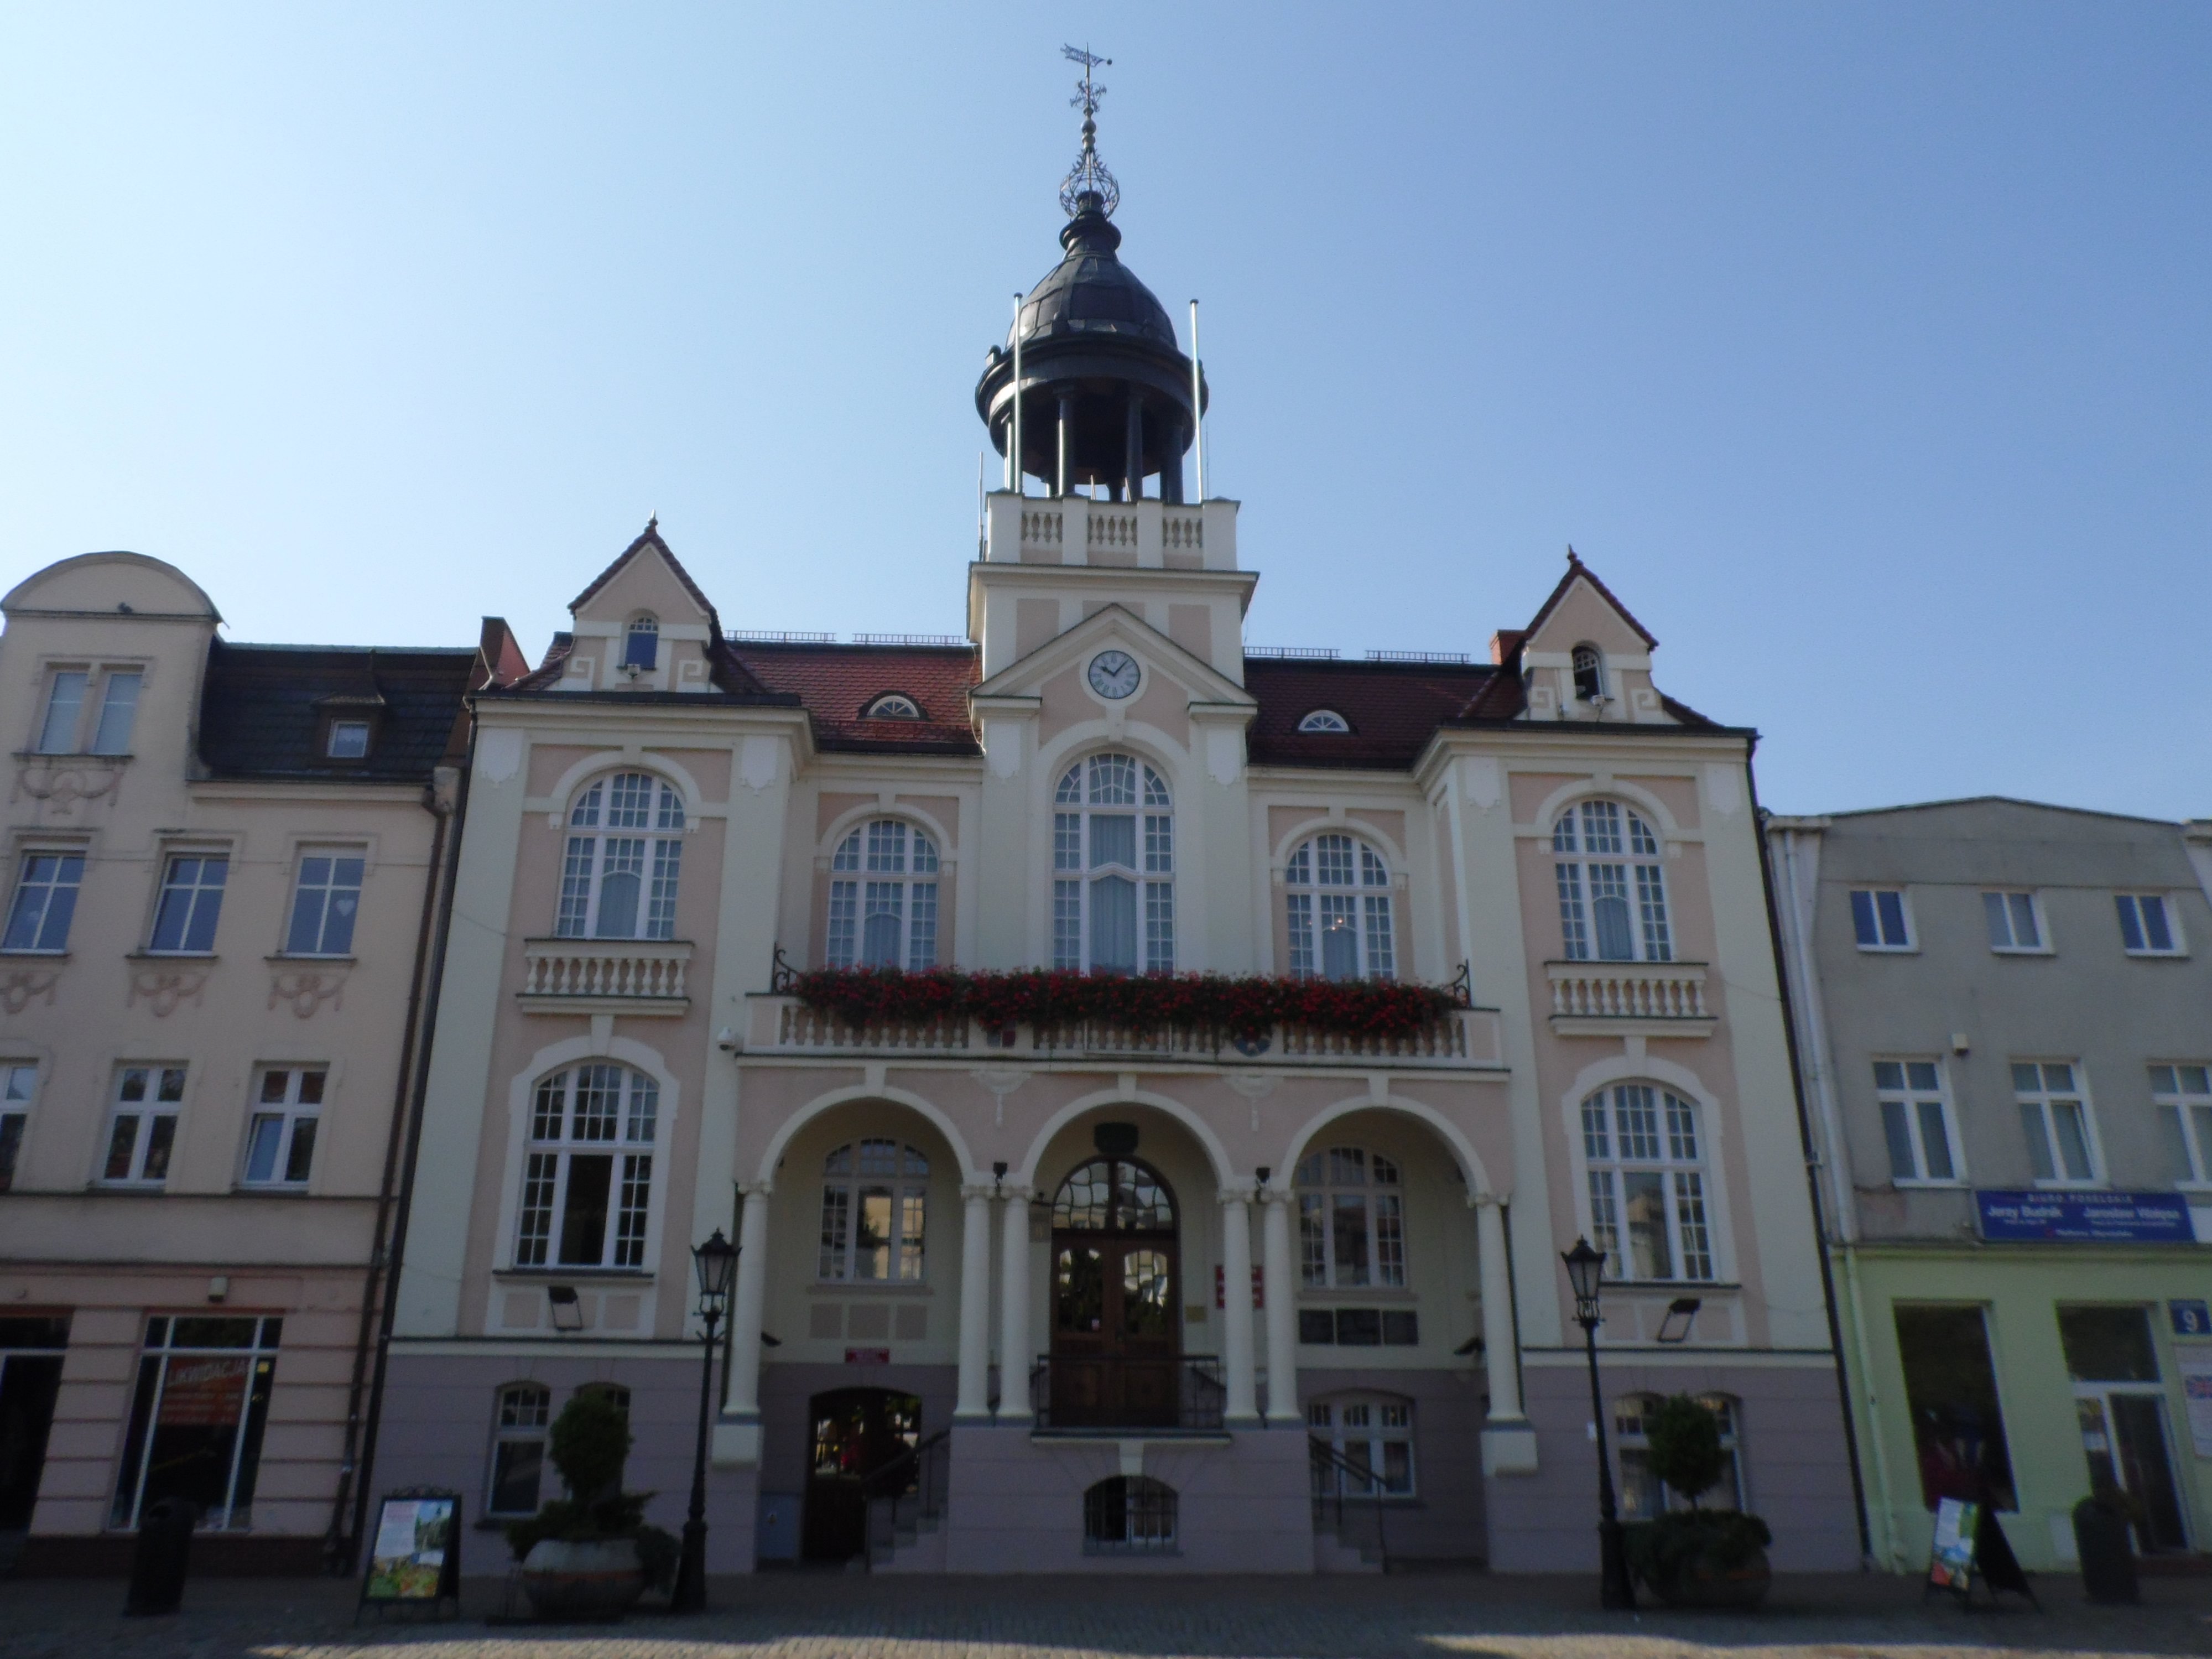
{"points": [[2085, 1218], [2190, 1318]]}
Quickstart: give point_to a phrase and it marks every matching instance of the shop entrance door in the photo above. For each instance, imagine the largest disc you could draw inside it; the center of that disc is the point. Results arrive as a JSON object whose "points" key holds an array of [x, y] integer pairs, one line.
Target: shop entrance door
{"points": [[1116, 1339], [853, 1434], [2120, 1402], [30, 1376]]}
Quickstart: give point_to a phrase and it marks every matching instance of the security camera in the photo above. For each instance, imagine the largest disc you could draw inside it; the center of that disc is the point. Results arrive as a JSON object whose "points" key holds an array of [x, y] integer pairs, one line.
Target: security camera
{"points": [[726, 1041]]}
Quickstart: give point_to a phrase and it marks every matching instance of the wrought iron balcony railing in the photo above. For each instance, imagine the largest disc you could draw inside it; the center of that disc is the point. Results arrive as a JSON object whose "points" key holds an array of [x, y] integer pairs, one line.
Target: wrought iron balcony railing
{"points": [[1082, 1392]]}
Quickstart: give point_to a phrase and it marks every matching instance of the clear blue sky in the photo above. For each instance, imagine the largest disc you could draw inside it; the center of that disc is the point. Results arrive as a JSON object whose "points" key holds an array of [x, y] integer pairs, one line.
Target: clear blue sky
{"points": [[1863, 350]]}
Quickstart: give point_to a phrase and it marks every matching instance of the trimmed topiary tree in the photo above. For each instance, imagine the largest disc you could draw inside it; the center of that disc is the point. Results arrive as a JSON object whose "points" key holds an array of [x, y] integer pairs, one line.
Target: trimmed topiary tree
{"points": [[590, 1442], [1696, 1557]]}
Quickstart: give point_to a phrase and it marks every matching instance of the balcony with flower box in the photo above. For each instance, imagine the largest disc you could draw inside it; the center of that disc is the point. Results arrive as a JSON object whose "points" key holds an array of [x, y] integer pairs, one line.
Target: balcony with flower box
{"points": [[1620, 999], [632, 976]]}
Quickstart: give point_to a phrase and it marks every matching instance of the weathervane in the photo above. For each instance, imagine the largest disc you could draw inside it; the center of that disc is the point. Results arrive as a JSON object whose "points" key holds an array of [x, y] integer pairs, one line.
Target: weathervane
{"points": [[1089, 187]]}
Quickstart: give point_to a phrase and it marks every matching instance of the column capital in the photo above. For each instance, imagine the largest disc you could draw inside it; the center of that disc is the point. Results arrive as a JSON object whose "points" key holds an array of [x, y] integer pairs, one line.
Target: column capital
{"points": [[1236, 1194], [1488, 1200], [1272, 1194], [972, 1190], [1014, 1195], [756, 1189]]}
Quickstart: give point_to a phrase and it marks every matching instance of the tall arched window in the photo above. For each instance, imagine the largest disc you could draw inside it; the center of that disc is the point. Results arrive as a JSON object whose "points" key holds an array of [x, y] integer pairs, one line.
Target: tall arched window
{"points": [[1646, 1183], [1113, 890], [625, 844], [1339, 905], [1590, 673], [1613, 897], [641, 642], [883, 898], [588, 1173], [1352, 1219], [875, 1198]]}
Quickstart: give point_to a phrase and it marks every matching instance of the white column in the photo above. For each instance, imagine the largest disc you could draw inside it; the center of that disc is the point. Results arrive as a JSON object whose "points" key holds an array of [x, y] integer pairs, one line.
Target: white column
{"points": [[750, 1303], [974, 1401], [1500, 1355], [1236, 1304], [1279, 1277], [1014, 1309]]}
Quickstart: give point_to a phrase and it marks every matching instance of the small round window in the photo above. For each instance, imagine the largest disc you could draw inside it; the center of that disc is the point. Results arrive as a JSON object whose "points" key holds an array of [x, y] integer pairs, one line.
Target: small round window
{"points": [[892, 706], [1324, 720]]}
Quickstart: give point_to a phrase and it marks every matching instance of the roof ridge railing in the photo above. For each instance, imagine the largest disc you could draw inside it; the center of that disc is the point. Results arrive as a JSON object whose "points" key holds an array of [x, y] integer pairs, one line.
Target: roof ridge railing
{"points": [[959, 640], [1293, 653], [776, 636], [1455, 659]]}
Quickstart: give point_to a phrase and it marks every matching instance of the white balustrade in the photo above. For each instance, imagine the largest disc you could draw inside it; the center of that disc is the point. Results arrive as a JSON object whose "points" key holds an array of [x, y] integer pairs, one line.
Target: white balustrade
{"points": [[1628, 990], [570, 971]]}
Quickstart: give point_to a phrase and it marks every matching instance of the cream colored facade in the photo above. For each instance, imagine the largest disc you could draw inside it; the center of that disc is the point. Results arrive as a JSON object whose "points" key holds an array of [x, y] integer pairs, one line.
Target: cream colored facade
{"points": [[205, 1278]]}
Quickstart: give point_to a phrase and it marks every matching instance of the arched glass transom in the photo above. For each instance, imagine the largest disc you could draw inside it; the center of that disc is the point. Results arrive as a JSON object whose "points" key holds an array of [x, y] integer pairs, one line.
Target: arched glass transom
{"points": [[892, 706], [625, 847], [1324, 720], [1613, 900], [1338, 905], [883, 898], [1114, 1195], [1352, 1219], [1646, 1183], [1113, 890]]}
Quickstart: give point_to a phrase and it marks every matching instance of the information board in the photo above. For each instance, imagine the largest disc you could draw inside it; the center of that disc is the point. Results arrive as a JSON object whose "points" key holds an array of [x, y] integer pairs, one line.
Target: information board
{"points": [[414, 1551], [2084, 1217], [2193, 1361], [1951, 1556]]}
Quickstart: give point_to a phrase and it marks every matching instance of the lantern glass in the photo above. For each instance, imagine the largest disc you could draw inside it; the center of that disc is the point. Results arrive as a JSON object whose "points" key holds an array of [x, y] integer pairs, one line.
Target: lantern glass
{"points": [[716, 1264], [1584, 1266]]}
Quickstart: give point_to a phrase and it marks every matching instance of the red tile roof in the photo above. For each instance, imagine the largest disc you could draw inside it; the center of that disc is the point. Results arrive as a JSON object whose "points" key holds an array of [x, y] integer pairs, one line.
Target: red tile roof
{"points": [[1393, 708], [836, 682]]}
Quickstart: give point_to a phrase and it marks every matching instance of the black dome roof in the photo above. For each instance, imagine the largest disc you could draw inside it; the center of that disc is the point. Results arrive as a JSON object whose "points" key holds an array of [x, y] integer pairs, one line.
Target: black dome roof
{"points": [[1091, 292]]}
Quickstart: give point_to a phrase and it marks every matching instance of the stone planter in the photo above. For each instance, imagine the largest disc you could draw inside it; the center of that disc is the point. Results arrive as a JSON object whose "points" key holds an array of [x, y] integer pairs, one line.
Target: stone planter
{"points": [[1698, 1585], [600, 1580]]}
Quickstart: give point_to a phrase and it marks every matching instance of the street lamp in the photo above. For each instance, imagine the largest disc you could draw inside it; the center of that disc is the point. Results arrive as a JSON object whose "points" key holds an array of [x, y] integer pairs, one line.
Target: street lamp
{"points": [[1585, 1268], [716, 1264]]}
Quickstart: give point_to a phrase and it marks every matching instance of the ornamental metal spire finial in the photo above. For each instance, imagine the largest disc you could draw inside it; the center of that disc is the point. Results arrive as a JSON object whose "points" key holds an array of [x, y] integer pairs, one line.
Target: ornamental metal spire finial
{"points": [[1089, 187]]}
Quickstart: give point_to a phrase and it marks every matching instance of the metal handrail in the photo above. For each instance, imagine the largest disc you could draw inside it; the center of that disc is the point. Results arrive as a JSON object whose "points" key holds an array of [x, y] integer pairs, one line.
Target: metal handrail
{"points": [[1201, 1393], [919, 1473], [1324, 1455]]}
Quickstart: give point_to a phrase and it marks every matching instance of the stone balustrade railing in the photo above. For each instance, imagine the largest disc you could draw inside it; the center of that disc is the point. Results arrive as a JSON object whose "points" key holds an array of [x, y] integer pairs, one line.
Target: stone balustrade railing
{"points": [[631, 976], [1628, 991]]}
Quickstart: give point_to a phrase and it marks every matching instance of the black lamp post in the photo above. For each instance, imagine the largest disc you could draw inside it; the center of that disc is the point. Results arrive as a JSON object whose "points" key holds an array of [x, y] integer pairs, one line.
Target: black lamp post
{"points": [[716, 1263], [1585, 1268]]}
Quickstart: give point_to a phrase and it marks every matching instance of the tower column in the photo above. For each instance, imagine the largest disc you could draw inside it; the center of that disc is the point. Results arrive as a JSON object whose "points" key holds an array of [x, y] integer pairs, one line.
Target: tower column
{"points": [[1242, 1404], [1171, 466], [1132, 465], [1066, 438], [743, 1396], [1014, 1309], [973, 1403], [1279, 1285]]}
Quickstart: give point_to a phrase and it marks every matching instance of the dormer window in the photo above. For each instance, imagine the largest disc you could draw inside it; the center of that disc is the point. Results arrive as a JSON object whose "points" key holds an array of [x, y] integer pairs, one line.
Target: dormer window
{"points": [[1324, 720], [892, 706], [641, 644], [1590, 674], [349, 740]]}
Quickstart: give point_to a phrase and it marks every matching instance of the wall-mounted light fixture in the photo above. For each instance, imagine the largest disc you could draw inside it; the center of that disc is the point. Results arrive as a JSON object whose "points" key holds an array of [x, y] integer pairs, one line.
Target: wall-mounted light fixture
{"points": [[1682, 1314], [567, 1307]]}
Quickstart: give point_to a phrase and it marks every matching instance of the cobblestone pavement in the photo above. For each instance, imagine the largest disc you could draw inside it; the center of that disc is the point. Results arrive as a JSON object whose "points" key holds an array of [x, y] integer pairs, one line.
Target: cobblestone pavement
{"points": [[808, 1616]]}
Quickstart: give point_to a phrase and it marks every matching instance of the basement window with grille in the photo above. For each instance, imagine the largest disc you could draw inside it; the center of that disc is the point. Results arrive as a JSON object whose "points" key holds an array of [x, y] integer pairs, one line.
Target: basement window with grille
{"points": [[1128, 1515]]}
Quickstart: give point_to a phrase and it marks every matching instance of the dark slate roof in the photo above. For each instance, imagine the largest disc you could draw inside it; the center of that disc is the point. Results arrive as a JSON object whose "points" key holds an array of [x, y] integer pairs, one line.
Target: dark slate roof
{"points": [[836, 682], [1393, 708], [261, 709]]}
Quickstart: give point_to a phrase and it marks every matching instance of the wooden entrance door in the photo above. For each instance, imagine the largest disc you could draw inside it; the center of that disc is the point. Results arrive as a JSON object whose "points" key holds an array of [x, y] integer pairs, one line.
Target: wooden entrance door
{"points": [[1117, 1293]]}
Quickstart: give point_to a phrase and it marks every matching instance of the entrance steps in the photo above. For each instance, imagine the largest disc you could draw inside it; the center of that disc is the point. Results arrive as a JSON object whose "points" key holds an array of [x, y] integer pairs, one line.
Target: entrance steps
{"points": [[1335, 1554], [916, 1545]]}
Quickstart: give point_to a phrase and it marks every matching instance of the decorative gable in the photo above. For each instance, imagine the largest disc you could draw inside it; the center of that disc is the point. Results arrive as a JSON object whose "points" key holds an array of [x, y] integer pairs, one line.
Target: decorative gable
{"points": [[643, 625], [1585, 657]]}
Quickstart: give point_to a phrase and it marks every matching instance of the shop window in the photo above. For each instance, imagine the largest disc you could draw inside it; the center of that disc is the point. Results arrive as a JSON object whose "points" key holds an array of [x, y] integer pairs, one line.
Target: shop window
{"points": [[1130, 1514], [1371, 1435], [2119, 1402], [875, 1200], [883, 898], [197, 1418], [1951, 1391], [518, 1450], [1643, 1494], [1352, 1219]]}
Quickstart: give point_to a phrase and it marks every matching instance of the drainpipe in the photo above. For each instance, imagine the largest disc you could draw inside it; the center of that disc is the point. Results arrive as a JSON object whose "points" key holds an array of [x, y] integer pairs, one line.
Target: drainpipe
{"points": [[1812, 1168], [338, 1543], [396, 1252]]}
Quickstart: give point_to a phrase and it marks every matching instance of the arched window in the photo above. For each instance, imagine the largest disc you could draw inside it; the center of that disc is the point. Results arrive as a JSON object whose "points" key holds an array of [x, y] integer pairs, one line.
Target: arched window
{"points": [[1643, 1494], [892, 706], [1374, 1434], [1339, 905], [520, 1424], [588, 1173], [875, 1198], [1613, 897], [883, 898], [1590, 673], [625, 844], [1324, 720], [1116, 1195], [1129, 1514], [641, 642], [1352, 1219], [1646, 1183], [1113, 890]]}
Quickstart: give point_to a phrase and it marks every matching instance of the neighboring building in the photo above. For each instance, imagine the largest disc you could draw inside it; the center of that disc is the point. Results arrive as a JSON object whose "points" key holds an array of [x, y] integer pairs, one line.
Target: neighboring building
{"points": [[2004, 1014], [219, 864], [1021, 1252]]}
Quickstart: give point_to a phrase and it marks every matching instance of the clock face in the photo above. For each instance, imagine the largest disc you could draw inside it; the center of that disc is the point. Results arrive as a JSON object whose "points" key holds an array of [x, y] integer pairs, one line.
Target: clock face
{"points": [[1114, 674]]}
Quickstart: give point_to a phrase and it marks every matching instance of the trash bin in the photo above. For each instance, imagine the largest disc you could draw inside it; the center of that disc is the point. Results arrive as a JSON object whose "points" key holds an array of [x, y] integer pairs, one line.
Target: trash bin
{"points": [[2108, 1558], [157, 1566]]}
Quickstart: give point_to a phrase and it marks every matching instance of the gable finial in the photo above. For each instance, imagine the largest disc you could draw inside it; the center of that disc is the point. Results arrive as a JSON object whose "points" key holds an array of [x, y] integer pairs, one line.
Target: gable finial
{"points": [[1089, 187], [1572, 557], [653, 521]]}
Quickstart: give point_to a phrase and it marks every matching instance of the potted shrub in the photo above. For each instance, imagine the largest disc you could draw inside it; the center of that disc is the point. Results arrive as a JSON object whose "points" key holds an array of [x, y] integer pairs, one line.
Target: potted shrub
{"points": [[588, 1554], [1697, 1558]]}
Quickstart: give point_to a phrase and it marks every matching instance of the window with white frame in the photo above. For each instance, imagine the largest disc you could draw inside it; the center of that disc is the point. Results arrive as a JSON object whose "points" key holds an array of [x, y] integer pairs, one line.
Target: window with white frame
{"points": [[1590, 673], [2014, 921], [111, 706], [875, 1211], [587, 1171], [883, 898], [625, 850], [141, 1127], [1612, 901], [280, 1137], [1338, 905], [2054, 1116], [191, 903], [1646, 1183], [2183, 1094], [1915, 1122], [1371, 1433], [347, 740], [1324, 720], [325, 899], [892, 706], [522, 1421], [641, 643], [1113, 890], [198, 1415], [1880, 919], [19, 1086], [1644, 1496], [2148, 925], [46, 900], [1352, 1219]]}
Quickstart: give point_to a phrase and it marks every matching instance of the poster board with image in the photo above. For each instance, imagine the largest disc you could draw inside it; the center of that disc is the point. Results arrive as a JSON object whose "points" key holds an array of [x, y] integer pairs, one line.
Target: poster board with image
{"points": [[415, 1550]]}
